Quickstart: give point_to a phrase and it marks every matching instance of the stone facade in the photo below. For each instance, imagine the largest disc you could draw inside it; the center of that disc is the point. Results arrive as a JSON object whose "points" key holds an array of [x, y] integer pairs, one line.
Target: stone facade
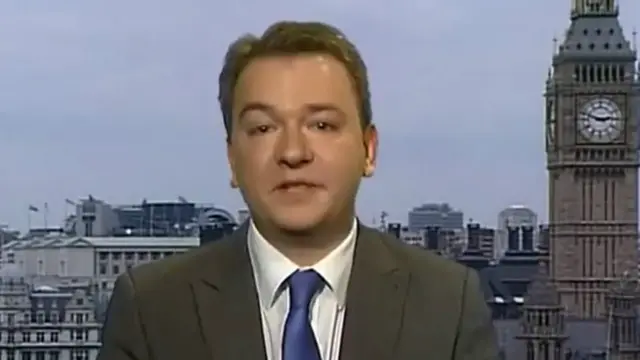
{"points": [[592, 137]]}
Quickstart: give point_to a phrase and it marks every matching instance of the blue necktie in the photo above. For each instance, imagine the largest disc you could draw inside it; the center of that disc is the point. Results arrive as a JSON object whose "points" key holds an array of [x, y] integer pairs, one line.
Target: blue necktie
{"points": [[299, 342]]}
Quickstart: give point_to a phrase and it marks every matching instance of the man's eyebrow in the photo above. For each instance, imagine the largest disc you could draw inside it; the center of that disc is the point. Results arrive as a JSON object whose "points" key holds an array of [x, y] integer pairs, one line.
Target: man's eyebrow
{"points": [[272, 112], [321, 107], [256, 106]]}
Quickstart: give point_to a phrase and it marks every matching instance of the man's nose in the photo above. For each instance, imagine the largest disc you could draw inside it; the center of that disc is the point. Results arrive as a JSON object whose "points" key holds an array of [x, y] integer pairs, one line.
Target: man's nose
{"points": [[293, 149]]}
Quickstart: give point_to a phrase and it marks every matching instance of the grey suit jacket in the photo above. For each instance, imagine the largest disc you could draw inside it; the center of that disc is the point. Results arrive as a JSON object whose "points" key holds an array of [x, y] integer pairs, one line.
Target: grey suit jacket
{"points": [[403, 303]]}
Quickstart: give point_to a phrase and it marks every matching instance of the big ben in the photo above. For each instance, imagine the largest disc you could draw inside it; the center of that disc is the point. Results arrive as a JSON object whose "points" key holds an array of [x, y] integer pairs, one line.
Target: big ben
{"points": [[592, 158]]}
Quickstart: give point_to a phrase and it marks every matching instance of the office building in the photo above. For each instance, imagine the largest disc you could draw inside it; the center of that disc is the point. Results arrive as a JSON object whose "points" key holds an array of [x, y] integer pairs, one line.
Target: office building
{"points": [[442, 216]]}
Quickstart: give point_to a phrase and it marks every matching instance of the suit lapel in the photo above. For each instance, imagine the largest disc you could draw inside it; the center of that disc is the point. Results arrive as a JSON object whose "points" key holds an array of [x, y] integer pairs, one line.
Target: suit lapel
{"points": [[227, 301], [375, 300]]}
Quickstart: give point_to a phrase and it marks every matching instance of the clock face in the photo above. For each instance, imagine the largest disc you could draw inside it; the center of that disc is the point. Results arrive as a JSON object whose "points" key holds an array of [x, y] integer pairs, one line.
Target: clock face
{"points": [[600, 121], [551, 123]]}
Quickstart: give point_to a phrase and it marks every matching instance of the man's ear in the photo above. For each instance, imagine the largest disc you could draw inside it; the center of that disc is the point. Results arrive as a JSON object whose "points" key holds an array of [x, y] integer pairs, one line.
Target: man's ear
{"points": [[371, 150], [233, 182]]}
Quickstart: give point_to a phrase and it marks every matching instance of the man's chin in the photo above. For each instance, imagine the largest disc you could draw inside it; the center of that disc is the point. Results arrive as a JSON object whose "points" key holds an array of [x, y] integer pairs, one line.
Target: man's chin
{"points": [[297, 223]]}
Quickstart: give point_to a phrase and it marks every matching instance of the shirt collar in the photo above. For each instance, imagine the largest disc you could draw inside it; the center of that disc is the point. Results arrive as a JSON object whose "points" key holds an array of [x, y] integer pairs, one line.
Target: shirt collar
{"points": [[271, 267]]}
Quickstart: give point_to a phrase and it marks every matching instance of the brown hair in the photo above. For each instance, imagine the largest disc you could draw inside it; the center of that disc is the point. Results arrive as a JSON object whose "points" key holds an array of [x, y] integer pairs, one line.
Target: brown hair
{"points": [[290, 38]]}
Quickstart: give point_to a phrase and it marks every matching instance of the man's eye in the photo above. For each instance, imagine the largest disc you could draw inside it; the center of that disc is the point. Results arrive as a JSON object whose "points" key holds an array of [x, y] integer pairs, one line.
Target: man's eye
{"points": [[323, 125], [260, 129]]}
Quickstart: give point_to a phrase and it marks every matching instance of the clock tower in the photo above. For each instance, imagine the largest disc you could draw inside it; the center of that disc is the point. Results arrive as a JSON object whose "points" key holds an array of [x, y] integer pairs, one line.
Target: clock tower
{"points": [[592, 112]]}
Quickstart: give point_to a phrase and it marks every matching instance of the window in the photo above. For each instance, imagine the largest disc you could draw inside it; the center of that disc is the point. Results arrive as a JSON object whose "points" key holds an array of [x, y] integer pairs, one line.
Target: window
{"points": [[40, 336], [88, 207], [55, 337], [26, 336], [558, 350], [79, 354], [54, 316], [40, 317], [25, 355], [544, 350], [40, 355], [88, 228], [621, 72], [116, 269], [513, 238], [11, 337], [78, 335], [54, 355], [530, 351]]}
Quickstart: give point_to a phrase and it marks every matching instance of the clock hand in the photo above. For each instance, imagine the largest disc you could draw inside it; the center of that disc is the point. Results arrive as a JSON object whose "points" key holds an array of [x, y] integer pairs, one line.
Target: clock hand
{"points": [[599, 118], [602, 119]]}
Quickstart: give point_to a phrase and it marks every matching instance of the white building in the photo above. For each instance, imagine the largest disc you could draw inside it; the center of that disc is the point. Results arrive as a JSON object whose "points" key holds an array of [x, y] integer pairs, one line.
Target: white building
{"points": [[415, 238], [41, 322], [94, 218], [515, 216], [442, 216], [96, 259]]}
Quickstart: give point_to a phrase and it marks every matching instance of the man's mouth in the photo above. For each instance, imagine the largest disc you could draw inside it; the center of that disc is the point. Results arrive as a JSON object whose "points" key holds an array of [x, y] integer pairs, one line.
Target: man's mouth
{"points": [[296, 184]]}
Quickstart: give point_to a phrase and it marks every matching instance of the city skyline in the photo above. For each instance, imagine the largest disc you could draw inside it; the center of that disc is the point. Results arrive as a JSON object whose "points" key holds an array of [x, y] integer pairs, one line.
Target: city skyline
{"points": [[118, 102]]}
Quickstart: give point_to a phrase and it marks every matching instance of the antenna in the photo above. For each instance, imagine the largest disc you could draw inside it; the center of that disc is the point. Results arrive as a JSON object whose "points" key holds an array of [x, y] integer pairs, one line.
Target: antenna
{"points": [[383, 220], [634, 41]]}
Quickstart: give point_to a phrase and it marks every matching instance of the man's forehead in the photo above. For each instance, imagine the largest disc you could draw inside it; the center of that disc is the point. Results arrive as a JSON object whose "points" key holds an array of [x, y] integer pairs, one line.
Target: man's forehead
{"points": [[319, 61], [291, 83], [313, 71]]}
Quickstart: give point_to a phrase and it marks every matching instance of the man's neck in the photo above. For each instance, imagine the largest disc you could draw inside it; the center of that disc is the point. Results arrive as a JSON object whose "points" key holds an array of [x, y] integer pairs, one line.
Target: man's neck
{"points": [[306, 249]]}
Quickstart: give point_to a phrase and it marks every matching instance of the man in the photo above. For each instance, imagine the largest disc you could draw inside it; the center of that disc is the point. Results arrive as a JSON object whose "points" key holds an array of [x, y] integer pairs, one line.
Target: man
{"points": [[303, 280]]}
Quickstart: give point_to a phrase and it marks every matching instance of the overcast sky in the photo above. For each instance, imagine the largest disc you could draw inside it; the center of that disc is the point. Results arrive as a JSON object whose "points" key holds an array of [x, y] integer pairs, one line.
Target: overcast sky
{"points": [[118, 99]]}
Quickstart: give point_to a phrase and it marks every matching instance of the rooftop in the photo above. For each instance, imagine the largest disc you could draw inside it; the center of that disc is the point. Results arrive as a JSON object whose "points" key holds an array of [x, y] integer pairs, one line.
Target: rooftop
{"points": [[103, 242]]}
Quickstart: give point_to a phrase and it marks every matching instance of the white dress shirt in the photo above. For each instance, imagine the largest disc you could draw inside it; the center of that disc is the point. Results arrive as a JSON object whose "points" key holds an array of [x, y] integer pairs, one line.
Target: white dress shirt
{"points": [[271, 268]]}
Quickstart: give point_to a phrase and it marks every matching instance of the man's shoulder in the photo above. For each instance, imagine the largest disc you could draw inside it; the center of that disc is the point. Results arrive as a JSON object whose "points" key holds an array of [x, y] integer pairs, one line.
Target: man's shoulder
{"points": [[179, 268], [425, 263], [433, 277]]}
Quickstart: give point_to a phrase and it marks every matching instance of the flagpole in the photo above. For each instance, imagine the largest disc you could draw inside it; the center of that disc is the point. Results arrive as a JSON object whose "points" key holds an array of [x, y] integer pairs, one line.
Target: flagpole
{"points": [[30, 209], [45, 214]]}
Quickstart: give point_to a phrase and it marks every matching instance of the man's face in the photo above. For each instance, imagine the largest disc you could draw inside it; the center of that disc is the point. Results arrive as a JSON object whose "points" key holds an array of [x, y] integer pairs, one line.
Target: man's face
{"points": [[297, 149]]}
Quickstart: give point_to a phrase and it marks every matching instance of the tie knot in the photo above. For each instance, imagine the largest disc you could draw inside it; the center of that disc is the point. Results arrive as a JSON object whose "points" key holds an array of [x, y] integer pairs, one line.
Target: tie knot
{"points": [[303, 285]]}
